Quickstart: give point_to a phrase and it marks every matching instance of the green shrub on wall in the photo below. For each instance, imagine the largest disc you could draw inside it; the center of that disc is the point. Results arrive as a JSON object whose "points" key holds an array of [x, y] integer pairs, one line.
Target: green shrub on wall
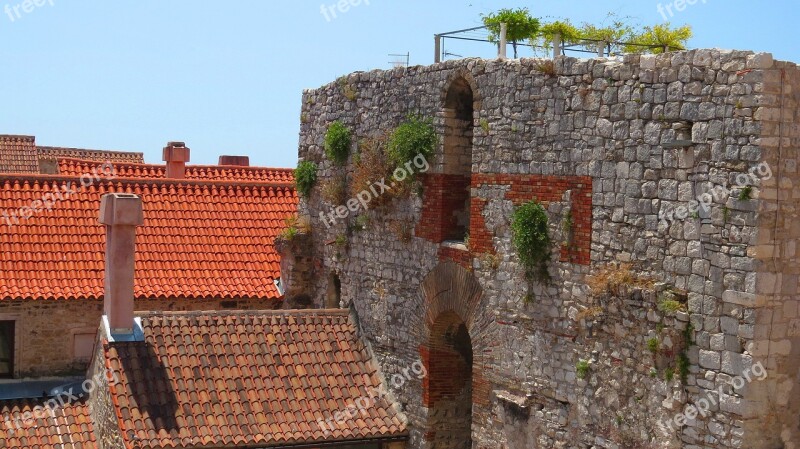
{"points": [[415, 136], [532, 239], [305, 176], [337, 142]]}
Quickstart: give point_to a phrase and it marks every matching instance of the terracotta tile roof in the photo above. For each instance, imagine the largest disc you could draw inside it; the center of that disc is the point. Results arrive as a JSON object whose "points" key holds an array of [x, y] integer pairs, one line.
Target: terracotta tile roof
{"points": [[242, 379], [18, 154], [200, 239], [77, 167], [69, 427], [92, 155]]}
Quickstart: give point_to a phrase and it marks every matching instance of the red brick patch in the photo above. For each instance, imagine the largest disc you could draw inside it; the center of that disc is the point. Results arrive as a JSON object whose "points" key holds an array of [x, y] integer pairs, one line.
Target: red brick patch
{"points": [[459, 256], [442, 195], [545, 189]]}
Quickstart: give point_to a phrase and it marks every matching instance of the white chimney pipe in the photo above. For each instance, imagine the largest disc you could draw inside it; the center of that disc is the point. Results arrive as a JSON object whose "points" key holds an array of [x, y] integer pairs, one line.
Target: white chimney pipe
{"points": [[121, 213]]}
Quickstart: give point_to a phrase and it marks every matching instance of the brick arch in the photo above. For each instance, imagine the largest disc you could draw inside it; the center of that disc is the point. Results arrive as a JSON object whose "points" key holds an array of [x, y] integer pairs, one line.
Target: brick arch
{"points": [[450, 348], [449, 287]]}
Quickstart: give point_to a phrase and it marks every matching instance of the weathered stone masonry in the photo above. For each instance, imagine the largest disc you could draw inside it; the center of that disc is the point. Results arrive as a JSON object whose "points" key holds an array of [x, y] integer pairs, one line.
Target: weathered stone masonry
{"points": [[606, 146]]}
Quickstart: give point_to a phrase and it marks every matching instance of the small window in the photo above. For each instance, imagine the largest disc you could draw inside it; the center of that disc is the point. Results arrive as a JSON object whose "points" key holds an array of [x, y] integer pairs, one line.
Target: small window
{"points": [[334, 295], [82, 346], [6, 349]]}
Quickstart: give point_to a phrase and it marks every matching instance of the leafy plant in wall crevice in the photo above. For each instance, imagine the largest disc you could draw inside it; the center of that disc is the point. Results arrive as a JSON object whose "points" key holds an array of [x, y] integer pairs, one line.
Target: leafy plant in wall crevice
{"points": [[347, 89], [582, 369], [305, 176], [416, 136], [531, 238], [338, 139]]}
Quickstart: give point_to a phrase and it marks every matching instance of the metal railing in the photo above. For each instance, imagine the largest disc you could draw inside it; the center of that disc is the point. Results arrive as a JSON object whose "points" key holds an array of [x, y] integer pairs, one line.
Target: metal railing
{"points": [[602, 48]]}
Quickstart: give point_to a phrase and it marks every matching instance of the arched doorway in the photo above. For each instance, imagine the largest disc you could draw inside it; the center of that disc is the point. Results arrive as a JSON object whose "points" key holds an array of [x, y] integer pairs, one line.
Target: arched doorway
{"points": [[453, 353], [449, 383], [459, 108]]}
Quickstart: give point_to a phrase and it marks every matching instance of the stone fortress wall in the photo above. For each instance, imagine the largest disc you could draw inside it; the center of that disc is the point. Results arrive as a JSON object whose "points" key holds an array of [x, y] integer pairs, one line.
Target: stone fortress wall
{"points": [[612, 149]]}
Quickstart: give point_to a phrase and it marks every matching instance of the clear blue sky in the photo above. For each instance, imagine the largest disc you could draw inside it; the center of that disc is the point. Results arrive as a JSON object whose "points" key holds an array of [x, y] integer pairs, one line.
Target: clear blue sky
{"points": [[227, 76]]}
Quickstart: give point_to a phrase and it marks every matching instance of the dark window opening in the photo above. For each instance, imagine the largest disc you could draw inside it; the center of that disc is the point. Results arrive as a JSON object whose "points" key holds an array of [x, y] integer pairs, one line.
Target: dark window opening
{"points": [[334, 295], [7, 349], [229, 304], [459, 112]]}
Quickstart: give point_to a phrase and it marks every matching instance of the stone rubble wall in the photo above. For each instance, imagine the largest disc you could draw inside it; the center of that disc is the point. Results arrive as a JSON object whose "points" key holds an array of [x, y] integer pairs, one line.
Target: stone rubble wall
{"points": [[610, 144], [104, 417]]}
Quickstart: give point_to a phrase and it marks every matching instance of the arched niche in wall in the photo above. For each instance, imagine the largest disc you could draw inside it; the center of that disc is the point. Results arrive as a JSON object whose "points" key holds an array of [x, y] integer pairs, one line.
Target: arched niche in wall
{"points": [[459, 124]]}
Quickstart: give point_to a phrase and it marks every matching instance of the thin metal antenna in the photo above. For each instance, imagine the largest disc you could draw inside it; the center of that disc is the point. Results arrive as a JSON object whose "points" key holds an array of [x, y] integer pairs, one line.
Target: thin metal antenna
{"points": [[401, 60]]}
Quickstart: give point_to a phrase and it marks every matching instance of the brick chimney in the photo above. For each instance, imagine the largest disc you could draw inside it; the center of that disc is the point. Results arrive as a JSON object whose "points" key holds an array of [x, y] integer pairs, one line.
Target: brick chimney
{"points": [[176, 155], [121, 213], [237, 161]]}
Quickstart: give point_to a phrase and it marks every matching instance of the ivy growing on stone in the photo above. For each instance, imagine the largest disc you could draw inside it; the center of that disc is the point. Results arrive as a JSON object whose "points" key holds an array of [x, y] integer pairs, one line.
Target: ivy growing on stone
{"points": [[305, 176], [532, 239], [337, 142]]}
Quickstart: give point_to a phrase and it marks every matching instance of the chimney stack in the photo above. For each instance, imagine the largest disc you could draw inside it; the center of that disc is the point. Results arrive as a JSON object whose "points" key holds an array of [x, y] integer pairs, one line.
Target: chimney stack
{"points": [[237, 161], [176, 155], [121, 213]]}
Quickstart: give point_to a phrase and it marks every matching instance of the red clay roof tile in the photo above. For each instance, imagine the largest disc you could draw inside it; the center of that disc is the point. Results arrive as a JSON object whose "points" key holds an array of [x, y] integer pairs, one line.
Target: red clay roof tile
{"points": [[200, 239], [61, 427], [92, 155], [18, 154], [234, 379], [78, 167]]}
